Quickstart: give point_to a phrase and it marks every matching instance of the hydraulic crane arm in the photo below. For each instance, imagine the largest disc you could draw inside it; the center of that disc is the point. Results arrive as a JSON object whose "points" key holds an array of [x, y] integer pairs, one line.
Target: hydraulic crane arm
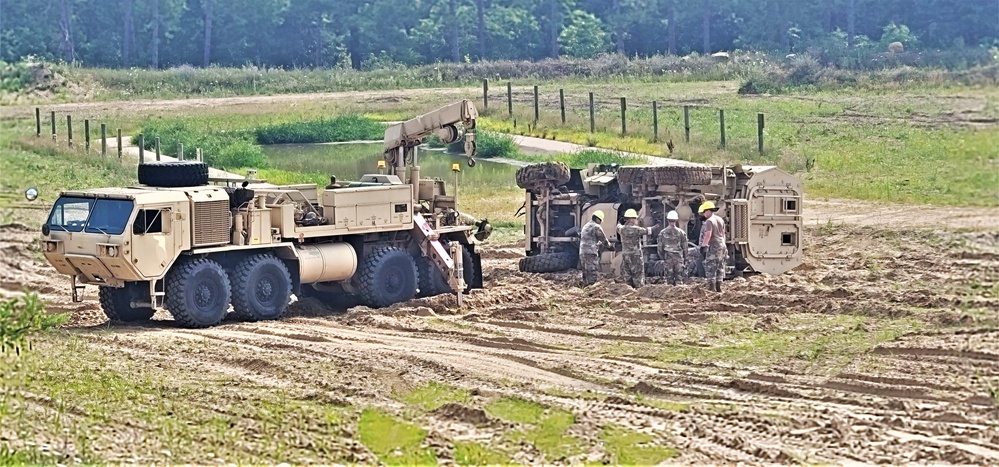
{"points": [[401, 137]]}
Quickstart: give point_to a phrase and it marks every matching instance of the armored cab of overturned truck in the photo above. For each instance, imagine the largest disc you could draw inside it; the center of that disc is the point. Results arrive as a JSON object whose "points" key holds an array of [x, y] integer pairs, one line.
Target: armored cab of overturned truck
{"points": [[760, 204]]}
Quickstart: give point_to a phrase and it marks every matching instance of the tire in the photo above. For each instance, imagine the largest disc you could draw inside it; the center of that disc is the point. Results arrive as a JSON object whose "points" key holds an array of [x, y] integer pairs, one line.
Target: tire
{"points": [[198, 293], [261, 288], [432, 282], [117, 302], [549, 262], [665, 175], [388, 275], [173, 174], [535, 176]]}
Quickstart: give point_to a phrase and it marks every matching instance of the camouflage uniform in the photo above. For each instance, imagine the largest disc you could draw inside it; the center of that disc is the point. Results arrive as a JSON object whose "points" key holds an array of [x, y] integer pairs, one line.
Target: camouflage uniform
{"points": [[633, 263], [672, 246], [715, 259], [590, 239]]}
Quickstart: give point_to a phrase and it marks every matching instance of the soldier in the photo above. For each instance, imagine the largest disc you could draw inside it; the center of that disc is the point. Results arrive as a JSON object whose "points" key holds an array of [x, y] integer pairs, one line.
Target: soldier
{"points": [[672, 247], [591, 238], [333, 184], [633, 262], [713, 247]]}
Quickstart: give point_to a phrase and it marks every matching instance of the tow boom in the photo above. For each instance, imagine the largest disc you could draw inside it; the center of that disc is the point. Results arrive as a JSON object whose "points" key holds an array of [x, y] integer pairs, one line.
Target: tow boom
{"points": [[402, 138]]}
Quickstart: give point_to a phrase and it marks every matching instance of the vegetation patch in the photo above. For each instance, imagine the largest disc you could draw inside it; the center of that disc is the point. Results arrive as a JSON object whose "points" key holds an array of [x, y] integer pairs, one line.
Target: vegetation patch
{"points": [[394, 442], [21, 317], [546, 427], [630, 447], [472, 453], [488, 144], [220, 147], [433, 395], [323, 130]]}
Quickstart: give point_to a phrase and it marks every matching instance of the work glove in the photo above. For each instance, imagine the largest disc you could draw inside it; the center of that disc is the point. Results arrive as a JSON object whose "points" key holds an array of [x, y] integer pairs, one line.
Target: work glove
{"points": [[704, 252]]}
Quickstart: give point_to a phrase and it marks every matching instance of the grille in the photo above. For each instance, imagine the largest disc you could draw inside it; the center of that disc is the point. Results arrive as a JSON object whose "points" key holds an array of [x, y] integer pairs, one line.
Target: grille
{"points": [[211, 222], [740, 221]]}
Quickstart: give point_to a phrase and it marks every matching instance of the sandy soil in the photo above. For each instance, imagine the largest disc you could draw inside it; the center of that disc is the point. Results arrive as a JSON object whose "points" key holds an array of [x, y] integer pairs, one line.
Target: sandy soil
{"points": [[927, 396]]}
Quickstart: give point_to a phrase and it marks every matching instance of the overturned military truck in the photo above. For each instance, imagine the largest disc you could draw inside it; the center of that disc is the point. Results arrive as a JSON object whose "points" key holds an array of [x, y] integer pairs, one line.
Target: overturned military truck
{"points": [[760, 204]]}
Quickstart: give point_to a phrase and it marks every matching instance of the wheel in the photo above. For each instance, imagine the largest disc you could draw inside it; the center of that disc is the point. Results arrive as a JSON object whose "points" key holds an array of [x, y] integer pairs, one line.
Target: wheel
{"points": [[261, 288], [549, 262], [117, 302], [173, 173], [432, 282], [535, 176], [198, 293], [388, 275], [665, 175]]}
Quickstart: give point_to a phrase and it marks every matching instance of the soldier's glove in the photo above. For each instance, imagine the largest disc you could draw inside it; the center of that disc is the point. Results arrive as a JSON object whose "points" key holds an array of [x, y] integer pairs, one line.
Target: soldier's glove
{"points": [[704, 251]]}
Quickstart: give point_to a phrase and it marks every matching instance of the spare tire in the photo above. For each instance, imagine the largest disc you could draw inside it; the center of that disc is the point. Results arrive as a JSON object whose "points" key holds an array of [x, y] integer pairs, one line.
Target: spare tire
{"points": [[173, 173], [549, 262], [535, 176]]}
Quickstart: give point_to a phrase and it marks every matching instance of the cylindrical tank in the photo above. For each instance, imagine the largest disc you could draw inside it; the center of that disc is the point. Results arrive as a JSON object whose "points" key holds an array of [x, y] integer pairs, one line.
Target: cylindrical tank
{"points": [[326, 262]]}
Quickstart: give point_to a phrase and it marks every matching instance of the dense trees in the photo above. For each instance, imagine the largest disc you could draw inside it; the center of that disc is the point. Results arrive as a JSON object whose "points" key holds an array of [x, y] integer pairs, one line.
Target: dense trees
{"points": [[362, 33]]}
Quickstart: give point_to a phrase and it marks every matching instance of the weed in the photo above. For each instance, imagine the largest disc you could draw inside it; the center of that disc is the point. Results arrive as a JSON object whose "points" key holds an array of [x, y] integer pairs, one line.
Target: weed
{"points": [[392, 440], [629, 447], [20, 317], [434, 395]]}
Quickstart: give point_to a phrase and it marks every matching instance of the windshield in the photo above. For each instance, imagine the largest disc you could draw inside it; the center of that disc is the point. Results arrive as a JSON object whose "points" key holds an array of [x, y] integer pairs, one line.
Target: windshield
{"points": [[107, 216]]}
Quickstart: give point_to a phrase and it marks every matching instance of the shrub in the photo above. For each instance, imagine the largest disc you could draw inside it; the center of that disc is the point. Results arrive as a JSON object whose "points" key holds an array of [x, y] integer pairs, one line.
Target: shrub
{"points": [[325, 130], [488, 144], [233, 148], [20, 317]]}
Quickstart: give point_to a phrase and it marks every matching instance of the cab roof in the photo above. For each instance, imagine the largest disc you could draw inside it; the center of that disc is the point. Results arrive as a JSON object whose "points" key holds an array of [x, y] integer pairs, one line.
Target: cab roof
{"points": [[146, 194]]}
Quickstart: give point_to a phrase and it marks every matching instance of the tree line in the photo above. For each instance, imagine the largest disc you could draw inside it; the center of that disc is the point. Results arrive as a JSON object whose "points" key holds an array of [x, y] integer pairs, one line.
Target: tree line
{"points": [[374, 33]]}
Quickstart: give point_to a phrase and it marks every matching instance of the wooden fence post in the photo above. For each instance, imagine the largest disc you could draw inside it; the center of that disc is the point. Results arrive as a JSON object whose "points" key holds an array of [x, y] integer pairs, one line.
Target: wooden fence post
{"points": [[180, 151], [509, 98], [624, 113], [759, 131], [142, 149], [537, 108], [686, 123], [38, 122], [655, 122], [721, 123], [104, 139], [119, 144], [52, 119], [69, 130], [561, 103], [593, 120], [485, 94], [86, 134], [157, 149], [197, 153]]}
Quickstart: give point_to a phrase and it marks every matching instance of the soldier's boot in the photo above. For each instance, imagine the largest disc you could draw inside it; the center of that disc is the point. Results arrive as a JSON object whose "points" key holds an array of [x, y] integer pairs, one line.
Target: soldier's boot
{"points": [[711, 285], [718, 286]]}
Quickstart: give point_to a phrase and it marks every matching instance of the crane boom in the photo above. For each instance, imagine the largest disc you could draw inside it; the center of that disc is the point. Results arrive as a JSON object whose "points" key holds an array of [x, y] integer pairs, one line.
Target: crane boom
{"points": [[401, 137]]}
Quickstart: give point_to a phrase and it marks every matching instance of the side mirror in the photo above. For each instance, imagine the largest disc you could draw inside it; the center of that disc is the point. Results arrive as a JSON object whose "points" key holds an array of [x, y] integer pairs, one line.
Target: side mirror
{"points": [[31, 194]]}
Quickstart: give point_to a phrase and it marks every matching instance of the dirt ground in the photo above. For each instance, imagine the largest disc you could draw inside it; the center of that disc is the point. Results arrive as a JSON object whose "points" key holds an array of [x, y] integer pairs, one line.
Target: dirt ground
{"points": [[671, 362]]}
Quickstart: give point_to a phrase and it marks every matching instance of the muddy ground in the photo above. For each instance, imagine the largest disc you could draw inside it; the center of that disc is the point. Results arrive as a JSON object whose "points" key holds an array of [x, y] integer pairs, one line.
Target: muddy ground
{"points": [[882, 347]]}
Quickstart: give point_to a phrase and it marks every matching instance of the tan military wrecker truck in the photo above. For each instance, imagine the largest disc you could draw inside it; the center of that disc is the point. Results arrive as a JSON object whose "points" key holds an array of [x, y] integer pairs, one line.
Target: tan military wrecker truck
{"points": [[179, 243]]}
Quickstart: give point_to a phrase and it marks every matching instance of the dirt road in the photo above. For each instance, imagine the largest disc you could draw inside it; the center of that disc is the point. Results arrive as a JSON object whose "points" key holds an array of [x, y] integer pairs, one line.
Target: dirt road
{"points": [[882, 347]]}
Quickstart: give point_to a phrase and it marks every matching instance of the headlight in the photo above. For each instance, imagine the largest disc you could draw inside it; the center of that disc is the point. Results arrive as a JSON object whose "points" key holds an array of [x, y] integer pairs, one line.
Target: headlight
{"points": [[50, 247], [109, 250]]}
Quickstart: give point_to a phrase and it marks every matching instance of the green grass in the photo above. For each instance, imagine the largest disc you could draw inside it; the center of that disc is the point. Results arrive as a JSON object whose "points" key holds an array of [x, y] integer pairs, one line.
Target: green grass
{"points": [[820, 340], [92, 398], [433, 395], [21, 317], [472, 453], [323, 130], [629, 447], [579, 160], [394, 442], [668, 406], [546, 427]]}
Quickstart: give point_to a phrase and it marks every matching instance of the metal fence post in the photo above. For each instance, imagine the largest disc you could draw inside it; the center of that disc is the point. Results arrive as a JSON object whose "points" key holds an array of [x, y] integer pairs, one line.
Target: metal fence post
{"points": [[537, 108], [52, 119], [69, 130], [721, 123], [485, 94], [104, 139], [561, 103], [593, 120], [624, 113], [38, 122], [86, 134], [655, 122], [509, 98], [119, 144], [686, 123], [759, 131]]}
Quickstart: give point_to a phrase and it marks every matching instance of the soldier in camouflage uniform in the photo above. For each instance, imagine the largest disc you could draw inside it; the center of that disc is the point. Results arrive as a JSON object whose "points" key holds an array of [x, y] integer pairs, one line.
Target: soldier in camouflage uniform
{"points": [[591, 238], [713, 246], [633, 262], [672, 247]]}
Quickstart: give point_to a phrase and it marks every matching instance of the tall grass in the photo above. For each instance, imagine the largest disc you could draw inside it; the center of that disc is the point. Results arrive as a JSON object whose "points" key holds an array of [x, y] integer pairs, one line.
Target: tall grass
{"points": [[488, 144], [323, 130]]}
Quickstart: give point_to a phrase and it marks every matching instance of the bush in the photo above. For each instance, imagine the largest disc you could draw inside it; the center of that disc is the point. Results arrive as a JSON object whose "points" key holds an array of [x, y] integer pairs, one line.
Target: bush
{"points": [[233, 148], [488, 144], [325, 130], [20, 317]]}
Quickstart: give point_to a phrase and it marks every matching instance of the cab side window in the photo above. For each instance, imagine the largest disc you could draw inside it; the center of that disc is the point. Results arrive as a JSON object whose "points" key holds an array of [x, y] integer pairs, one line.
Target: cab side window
{"points": [[149, 221]]}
